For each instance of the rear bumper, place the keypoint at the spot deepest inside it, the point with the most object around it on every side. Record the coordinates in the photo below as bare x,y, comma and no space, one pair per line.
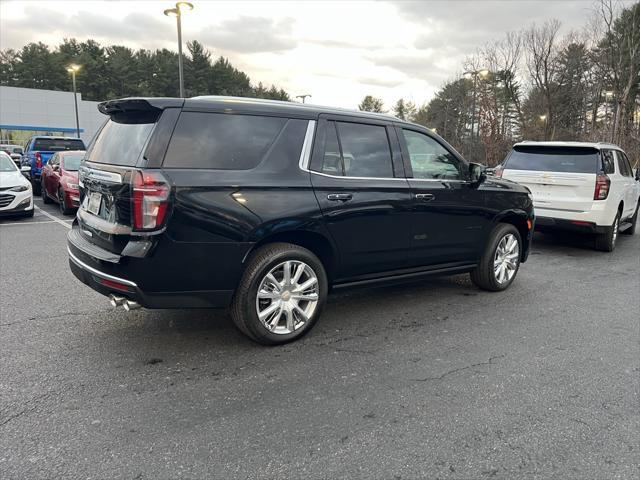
600,212
104,283
561,224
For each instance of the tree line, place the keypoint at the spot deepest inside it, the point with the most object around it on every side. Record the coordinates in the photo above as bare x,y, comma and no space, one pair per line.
117,71
534,84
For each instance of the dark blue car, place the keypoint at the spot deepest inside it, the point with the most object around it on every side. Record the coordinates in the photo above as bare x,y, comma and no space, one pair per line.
40,148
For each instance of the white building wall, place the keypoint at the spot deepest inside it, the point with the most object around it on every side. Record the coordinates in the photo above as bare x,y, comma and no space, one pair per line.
48,109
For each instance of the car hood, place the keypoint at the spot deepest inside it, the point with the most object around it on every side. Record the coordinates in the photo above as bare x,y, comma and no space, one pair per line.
12,179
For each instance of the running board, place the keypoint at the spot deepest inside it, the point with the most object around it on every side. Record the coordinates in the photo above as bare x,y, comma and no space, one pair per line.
625,226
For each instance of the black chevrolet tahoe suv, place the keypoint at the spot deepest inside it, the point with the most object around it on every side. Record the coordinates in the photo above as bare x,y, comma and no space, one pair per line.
266,206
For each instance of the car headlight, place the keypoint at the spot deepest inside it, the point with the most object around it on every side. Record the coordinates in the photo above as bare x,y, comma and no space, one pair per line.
19,188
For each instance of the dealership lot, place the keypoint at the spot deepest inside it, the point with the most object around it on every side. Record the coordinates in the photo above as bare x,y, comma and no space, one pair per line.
433,379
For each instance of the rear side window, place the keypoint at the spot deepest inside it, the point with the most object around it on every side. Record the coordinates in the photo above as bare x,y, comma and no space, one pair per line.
607,162
623,166
365,150
553,159
57,144
119,143
221,141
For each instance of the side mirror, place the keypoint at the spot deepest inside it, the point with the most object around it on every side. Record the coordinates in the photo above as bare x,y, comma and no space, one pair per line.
26,171
56,168
477,173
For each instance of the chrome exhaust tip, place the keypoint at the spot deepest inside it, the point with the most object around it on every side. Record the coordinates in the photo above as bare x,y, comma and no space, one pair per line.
115,300
130,305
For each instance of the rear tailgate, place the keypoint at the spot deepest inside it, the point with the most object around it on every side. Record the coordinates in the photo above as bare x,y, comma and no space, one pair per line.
114,160
560,178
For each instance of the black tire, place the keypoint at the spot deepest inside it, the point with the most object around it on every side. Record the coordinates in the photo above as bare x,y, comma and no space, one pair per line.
634,221
62,204
484,275
606,242
243,307
43,195
35,185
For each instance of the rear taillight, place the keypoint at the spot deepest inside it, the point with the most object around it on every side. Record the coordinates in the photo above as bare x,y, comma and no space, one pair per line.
38,160
497,172
602,187
149,200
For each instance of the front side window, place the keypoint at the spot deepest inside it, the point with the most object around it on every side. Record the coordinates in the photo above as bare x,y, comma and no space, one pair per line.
221,141
365,150
429,159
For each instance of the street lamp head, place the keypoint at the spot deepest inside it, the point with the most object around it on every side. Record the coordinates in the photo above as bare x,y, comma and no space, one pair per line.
73,68
543,117
172,12
608,93
184,6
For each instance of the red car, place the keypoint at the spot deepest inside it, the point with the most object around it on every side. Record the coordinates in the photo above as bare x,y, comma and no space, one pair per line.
60,180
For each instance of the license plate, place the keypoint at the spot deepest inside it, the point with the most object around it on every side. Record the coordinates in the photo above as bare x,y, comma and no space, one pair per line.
95,199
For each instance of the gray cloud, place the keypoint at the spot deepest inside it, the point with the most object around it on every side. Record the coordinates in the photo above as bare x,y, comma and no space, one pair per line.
413,66
379,82
250,35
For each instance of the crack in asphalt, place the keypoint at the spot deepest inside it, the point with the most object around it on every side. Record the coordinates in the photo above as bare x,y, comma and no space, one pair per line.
490,362
51,317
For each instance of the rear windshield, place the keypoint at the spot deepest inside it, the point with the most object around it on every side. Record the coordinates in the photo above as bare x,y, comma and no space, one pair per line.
221,141
58,144
71,161
550,159
120,143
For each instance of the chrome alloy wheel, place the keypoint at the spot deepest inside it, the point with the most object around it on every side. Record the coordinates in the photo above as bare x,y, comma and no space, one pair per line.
287,297
616,226
505,262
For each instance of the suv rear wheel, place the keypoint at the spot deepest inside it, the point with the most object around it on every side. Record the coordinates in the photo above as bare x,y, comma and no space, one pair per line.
606,242
281,294
500,261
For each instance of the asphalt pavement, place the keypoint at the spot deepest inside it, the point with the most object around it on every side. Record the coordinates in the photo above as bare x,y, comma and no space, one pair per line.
435,379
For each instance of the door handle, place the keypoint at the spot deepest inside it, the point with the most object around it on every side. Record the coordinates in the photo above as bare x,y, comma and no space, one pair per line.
339,197
425,197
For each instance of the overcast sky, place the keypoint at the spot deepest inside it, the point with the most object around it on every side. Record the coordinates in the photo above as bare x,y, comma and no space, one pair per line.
337,51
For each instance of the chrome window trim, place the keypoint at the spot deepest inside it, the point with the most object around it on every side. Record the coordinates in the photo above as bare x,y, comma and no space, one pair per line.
305,154
96,174
305,159
97,272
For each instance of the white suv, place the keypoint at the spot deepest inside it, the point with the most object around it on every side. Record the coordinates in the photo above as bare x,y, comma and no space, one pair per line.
586,187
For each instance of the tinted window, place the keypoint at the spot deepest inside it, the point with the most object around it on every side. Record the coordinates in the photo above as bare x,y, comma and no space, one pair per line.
17,150
221,141
119,143
551,159
57,144
71,161
6,164
365,150
607,162
332,160
623,165
628,163
429,159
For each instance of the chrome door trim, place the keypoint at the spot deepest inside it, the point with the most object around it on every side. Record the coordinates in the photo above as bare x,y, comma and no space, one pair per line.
305,154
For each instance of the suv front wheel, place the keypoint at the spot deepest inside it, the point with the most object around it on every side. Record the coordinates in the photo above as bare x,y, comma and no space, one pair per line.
500,261
281,294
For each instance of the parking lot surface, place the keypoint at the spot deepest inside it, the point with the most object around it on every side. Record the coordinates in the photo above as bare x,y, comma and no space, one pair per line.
434,379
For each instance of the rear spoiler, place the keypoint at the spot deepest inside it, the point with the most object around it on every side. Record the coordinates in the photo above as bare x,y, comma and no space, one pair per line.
134,110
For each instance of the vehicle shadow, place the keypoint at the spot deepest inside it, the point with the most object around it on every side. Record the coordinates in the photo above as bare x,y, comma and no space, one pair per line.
549,240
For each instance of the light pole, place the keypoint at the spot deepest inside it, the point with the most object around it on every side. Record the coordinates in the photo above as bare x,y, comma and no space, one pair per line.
73,69
177,12
608,95
474,73
543,118
303,97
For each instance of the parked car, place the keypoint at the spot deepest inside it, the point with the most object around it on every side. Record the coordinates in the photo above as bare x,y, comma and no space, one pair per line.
16,196
40,148
14,151
59,180
266,206
584,187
